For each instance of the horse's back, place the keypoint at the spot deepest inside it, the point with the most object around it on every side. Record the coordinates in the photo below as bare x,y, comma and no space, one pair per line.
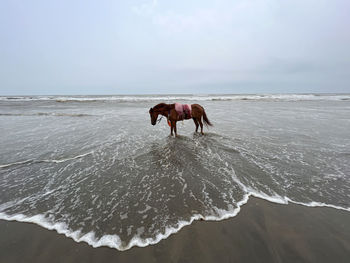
184,111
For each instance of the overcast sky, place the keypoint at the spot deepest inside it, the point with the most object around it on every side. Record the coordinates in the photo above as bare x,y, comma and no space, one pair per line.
155,46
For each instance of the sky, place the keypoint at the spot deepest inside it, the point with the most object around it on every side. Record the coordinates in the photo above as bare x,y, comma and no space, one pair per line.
158,47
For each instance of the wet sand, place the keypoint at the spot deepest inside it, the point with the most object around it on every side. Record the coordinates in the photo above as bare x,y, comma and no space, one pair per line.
261,232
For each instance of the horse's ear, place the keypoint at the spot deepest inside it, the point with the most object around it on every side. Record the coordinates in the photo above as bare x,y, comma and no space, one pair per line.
150,110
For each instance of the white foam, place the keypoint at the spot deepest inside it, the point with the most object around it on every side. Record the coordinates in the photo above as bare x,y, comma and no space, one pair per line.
66,159
145,210
46,160
114,241
46,114
316,204
123,216
15,163
273,199
221,97
285,200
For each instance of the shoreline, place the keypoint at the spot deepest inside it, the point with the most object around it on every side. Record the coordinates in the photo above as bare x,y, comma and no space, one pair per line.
261,232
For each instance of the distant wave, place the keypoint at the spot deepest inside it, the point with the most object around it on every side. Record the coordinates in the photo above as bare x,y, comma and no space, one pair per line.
215,97
46,114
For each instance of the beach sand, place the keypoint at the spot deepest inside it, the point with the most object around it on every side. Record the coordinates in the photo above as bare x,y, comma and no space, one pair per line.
261,232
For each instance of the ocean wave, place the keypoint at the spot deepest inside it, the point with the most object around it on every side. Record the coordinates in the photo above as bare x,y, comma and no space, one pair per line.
114,241
47,114
146,98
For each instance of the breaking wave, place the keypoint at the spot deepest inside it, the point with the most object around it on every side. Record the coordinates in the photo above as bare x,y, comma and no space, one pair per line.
46,114
214,97
114,241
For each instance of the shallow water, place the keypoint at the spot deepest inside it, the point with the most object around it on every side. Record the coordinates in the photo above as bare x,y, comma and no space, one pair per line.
95,169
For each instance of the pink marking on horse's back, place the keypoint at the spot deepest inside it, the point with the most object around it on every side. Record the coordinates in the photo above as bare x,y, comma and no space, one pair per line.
181,109
188,109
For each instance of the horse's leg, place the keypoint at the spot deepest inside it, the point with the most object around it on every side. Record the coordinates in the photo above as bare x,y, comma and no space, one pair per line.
196,123
201,124
175,129
171,128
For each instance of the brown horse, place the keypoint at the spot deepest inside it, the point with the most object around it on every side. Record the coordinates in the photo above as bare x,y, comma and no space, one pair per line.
168,111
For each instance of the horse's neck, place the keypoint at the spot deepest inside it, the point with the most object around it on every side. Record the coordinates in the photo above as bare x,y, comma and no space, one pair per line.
168,107
165,110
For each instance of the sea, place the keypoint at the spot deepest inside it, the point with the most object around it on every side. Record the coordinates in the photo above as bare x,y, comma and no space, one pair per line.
94,168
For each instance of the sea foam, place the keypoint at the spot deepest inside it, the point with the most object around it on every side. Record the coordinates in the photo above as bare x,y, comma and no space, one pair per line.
214,97
114,241
46,160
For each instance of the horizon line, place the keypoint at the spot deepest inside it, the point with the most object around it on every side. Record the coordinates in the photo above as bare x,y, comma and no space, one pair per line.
181,94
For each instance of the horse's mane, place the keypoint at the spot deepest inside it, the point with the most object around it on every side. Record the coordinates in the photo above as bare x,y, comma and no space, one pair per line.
163,106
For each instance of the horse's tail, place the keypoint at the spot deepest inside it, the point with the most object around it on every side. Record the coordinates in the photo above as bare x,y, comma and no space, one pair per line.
206,120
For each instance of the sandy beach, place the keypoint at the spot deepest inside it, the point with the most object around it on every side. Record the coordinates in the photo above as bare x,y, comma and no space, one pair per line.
261,232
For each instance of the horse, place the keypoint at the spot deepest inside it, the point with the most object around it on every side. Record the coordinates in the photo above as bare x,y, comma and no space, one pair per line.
196,113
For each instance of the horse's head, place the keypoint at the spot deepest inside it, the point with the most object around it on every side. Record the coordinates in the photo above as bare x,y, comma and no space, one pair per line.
154,116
